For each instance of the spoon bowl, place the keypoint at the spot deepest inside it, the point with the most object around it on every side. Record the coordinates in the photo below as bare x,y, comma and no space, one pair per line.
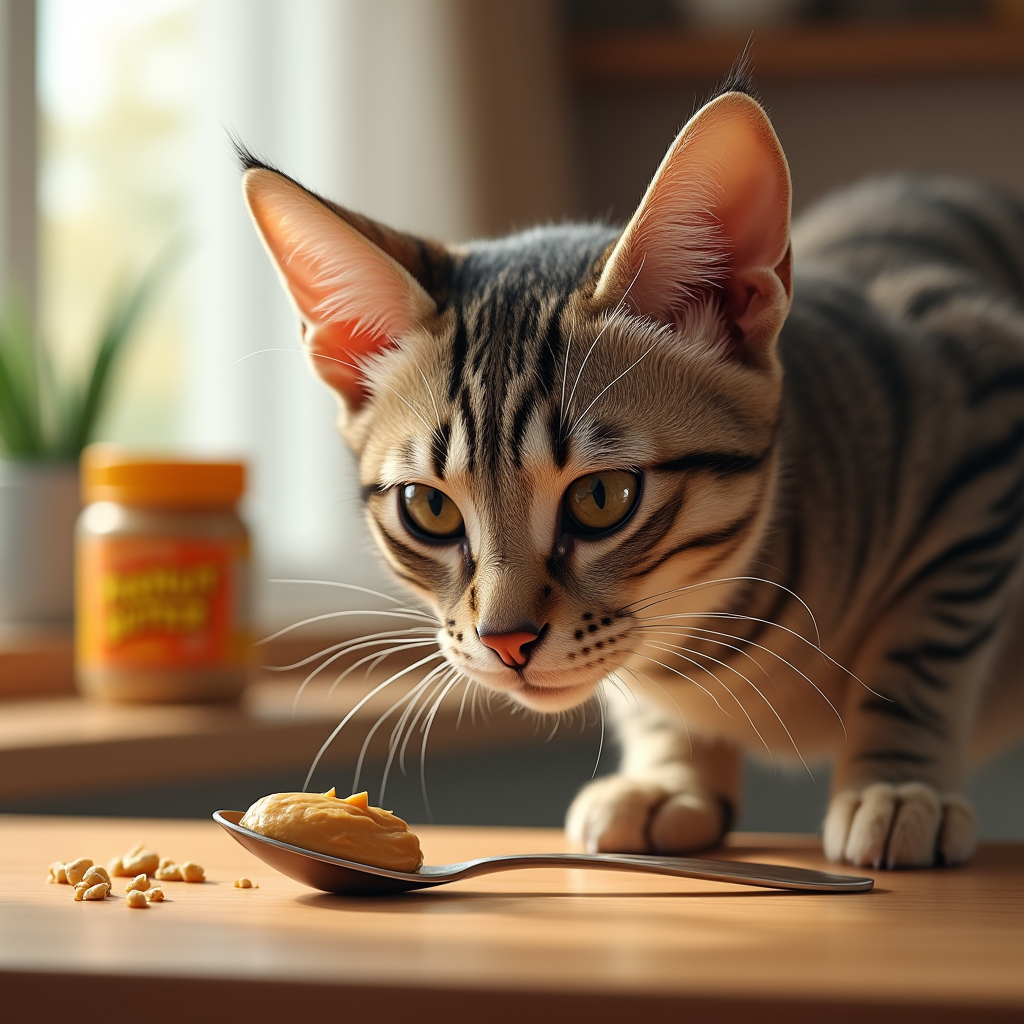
332,874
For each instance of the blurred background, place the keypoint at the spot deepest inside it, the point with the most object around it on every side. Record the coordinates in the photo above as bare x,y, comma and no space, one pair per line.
450,118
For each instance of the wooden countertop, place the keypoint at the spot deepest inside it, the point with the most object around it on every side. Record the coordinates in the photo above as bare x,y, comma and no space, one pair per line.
540,945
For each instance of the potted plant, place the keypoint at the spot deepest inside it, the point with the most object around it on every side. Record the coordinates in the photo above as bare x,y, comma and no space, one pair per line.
45,422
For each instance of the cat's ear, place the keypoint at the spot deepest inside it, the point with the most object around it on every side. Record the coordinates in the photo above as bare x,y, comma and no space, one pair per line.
714,221
353,298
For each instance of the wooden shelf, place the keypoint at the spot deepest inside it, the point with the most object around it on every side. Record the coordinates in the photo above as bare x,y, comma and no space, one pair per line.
49,747
36,662
808,53
39,661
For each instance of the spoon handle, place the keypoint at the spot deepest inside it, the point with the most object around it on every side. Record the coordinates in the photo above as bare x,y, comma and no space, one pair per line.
772,876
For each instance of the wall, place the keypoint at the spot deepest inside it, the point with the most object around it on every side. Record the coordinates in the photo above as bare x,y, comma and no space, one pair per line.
833,133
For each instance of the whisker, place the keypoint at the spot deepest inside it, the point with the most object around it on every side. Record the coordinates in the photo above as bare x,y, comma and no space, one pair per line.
600,746
402,645
384,637
579,419
565,374
619,305
387,654
341,725
551,735
362,370
414,709
462,704
397,731
736,616
371,658
608,322
712,675
338,655
411,727
686,728
423,746
376,725
667,595
390,614
691,632
683,675
621,686
433,401
700,654
345,586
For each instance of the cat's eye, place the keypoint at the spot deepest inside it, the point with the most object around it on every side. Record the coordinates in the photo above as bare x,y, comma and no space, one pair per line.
431,512
598,502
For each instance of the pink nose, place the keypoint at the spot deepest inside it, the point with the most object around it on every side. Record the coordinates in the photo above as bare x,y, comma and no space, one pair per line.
509,646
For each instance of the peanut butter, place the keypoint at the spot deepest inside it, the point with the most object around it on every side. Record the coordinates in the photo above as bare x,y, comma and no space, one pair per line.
347,828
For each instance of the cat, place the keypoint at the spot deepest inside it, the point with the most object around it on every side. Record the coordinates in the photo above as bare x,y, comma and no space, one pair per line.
767,484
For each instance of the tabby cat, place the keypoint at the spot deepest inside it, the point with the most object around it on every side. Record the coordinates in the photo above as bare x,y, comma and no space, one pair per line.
639,459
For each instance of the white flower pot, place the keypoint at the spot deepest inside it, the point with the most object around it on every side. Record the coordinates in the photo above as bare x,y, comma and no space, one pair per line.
39,503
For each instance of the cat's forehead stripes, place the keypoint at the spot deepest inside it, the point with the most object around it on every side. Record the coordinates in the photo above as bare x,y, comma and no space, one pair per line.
508,334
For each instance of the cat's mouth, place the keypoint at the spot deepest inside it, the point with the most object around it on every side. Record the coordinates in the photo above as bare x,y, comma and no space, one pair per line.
540,697
553,698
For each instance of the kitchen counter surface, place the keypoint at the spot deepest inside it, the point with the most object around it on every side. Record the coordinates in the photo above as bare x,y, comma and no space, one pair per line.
537,945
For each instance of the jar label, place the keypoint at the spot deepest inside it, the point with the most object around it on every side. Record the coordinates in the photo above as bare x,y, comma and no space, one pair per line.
162,603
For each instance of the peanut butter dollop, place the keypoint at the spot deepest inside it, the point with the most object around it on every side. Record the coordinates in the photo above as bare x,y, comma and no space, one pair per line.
348,828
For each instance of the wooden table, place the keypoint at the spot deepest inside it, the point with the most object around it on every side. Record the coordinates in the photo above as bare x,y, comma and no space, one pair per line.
532,946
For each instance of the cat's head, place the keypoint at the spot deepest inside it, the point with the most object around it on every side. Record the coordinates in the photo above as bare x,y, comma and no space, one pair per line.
553,427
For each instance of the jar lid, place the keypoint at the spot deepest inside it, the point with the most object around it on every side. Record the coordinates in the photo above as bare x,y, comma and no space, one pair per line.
110,473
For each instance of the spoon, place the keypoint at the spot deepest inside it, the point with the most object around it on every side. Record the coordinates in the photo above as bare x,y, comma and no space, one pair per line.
332,874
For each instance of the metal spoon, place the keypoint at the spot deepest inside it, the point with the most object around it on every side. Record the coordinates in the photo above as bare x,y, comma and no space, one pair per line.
331,874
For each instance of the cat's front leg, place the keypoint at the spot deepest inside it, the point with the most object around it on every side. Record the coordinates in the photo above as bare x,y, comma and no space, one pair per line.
671,795
896,787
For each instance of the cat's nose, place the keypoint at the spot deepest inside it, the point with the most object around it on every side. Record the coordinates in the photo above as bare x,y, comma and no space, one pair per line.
512,648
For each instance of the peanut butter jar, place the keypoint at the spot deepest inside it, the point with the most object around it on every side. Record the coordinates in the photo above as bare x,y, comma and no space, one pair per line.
162,579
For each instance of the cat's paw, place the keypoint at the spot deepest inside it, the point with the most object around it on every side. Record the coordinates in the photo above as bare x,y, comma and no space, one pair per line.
620,815
899,826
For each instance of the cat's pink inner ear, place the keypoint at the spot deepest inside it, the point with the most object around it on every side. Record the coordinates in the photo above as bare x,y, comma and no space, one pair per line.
715,220
352,298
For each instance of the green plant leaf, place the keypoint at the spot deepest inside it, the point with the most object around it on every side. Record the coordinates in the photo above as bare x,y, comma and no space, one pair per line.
43,417
21,399
84,411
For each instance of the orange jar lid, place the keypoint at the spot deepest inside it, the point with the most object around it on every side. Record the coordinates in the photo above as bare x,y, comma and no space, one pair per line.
110,473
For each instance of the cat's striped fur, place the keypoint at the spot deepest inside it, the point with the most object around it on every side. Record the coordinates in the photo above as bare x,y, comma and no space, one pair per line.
866,463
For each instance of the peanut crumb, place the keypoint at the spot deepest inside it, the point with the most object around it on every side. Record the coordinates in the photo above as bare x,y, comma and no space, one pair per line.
96,892
192,872
155,895
135,898
168,871
140,883
139,860
96,874
80,891
245,883
75,870
58,876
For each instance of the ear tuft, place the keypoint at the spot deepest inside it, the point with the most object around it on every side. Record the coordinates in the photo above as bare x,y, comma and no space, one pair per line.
247,159
739,78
